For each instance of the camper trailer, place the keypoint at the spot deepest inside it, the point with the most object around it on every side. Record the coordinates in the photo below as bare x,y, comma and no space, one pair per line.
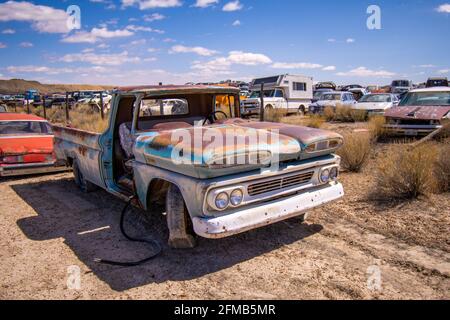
293,93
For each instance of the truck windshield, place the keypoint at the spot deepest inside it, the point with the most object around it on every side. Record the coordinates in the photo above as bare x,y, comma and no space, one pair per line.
24,128
400,83
330,97
376,98
267,94
426,99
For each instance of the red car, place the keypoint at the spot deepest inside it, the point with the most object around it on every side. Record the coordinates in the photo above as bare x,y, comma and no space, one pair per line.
26,145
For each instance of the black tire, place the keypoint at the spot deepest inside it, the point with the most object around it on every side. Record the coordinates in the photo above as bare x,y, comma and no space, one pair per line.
181,233
80,181
301,110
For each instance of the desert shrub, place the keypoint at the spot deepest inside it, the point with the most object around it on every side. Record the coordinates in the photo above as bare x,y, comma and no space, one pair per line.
343,114
408,172
328,113
274,115
376,127
358,115
355,151
315,121
442,169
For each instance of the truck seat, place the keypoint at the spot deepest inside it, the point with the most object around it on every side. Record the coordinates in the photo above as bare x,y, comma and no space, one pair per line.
127,140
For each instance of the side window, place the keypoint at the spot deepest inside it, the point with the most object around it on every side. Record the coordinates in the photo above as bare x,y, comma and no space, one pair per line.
163,107
299,86
225,104
278,94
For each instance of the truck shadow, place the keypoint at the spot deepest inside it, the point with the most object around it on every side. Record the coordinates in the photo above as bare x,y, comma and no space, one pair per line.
89,225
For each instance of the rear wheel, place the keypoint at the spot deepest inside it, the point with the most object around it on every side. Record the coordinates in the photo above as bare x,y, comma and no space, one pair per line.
80,181
301,110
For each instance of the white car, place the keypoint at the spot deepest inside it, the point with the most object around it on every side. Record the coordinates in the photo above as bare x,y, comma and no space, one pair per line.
332,100
377,103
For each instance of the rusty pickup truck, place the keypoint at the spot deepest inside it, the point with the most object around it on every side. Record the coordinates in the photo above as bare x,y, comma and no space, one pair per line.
218,175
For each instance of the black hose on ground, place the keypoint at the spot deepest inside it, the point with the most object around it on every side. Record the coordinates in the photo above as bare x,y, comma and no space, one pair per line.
153,243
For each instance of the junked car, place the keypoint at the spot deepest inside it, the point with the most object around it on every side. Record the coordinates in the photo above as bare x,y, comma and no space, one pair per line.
332,100
401,86
420,112
377,104
3,108
218,175
26,145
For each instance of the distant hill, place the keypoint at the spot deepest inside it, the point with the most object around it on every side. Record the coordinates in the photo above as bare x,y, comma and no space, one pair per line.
19,86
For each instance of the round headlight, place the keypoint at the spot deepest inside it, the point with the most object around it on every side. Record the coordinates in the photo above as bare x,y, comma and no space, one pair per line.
325,175
222,201
333,173
236,197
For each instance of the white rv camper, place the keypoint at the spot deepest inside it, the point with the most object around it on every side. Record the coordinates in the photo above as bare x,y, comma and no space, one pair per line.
293,93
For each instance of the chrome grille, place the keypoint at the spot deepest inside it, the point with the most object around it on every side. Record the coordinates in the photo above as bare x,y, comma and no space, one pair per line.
279,183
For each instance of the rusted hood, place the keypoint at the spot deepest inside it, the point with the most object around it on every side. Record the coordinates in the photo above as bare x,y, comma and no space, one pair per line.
418,112
204,146
21,145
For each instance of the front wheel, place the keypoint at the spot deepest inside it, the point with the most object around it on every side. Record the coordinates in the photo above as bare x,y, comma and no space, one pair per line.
181,235
301,110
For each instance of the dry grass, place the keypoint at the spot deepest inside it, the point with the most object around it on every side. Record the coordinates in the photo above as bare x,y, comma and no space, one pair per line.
376,127
328,113
442,169
274,115
409,172
82,117
355,151
313,121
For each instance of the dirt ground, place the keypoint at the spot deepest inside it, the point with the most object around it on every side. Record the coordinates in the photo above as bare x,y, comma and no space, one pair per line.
355,248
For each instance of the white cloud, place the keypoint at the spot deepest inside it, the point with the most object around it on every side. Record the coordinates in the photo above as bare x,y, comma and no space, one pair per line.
350,40
96,34
444,8
197,50
8,31
100,59
444,71
233,6
169,40
145,29
154,17
296,65
329,68
222,65
152,4
427,66
237,23
152,50
42,18
26,44
205,3
331,40
364,72
247,58
2,45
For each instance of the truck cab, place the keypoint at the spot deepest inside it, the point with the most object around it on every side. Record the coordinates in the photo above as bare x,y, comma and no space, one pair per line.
291,93
218,175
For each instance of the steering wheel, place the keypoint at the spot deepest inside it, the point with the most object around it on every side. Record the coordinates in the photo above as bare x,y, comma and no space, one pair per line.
213,116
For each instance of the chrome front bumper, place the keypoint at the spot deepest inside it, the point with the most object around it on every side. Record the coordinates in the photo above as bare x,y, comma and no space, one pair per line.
29,168
267,213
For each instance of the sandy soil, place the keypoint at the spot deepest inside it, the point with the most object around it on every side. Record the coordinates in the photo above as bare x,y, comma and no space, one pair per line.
48,226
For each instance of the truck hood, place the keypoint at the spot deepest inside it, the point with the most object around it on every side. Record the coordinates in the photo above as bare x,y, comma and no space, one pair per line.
418,112
22,145
373,105
208,157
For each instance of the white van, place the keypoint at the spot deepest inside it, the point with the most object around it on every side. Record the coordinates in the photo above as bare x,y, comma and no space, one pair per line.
293,93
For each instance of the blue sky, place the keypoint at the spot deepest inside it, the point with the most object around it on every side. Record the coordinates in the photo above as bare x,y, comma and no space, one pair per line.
126,42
